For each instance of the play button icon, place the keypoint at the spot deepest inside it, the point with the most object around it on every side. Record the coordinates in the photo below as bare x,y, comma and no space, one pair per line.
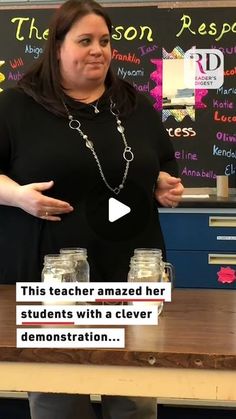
116,210
117,218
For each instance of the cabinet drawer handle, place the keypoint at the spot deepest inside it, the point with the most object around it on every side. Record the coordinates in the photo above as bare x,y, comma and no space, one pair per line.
215,221
221,259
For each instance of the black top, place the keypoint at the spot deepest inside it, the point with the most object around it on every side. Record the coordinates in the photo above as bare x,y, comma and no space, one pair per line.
37,146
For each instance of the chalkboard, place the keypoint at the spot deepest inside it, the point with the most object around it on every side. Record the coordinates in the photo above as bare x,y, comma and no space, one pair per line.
148,46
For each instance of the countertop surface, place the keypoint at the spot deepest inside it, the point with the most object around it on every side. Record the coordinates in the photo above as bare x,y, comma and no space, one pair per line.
207,198
196,330
212,201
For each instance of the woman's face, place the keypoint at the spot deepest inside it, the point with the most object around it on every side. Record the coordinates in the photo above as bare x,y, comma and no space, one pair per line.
85,54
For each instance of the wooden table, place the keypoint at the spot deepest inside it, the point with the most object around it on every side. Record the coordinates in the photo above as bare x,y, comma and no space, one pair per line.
191,354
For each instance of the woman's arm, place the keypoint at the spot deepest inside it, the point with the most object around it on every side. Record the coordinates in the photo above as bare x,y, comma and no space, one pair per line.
8,191
30,198
169,190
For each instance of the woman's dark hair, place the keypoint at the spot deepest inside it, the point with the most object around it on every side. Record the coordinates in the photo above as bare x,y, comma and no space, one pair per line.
43,81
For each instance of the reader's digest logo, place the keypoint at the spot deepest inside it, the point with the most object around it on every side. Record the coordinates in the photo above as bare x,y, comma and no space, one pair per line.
204,68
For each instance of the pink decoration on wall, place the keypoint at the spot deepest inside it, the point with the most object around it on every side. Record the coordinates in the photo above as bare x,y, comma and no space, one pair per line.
226,275
157,91
199,95
156,76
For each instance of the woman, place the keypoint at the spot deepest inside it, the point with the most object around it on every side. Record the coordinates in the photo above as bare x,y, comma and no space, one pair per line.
72,137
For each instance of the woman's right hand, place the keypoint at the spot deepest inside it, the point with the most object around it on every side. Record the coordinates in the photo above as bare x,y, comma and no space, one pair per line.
31,199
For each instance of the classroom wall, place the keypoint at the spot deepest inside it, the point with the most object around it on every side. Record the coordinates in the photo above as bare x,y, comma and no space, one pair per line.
201,123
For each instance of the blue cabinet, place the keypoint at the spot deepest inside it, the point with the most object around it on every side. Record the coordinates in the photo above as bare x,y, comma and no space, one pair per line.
201,244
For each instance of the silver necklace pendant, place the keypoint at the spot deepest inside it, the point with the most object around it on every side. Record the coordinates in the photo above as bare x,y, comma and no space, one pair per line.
95,107
127,155
89,144
120,129
118,189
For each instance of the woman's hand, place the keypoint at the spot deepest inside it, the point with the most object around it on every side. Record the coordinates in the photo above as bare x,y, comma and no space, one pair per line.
31,199
169,190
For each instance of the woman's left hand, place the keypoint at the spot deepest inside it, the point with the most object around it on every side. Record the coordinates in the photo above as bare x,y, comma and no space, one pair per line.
169,190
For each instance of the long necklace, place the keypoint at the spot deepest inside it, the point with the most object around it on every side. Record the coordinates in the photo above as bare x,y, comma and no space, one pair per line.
128,155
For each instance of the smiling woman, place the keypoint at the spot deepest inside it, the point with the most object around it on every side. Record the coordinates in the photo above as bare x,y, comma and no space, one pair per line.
84,58
72,138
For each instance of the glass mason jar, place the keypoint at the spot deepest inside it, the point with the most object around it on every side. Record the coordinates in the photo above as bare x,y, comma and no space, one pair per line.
146,269
168,272
146,255
145,251
147,266
79,256
58,269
